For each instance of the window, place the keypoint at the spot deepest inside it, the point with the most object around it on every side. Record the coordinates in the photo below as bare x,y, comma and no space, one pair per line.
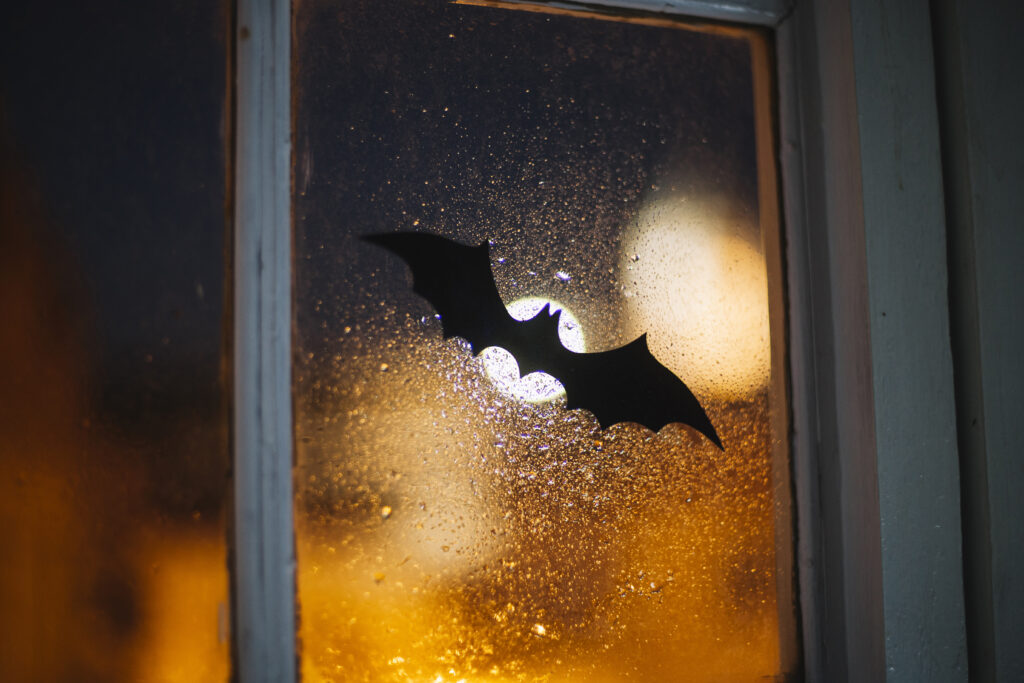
453,523
131,369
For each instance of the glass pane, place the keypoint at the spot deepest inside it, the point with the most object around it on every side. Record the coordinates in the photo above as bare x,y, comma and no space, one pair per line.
455,522
113,431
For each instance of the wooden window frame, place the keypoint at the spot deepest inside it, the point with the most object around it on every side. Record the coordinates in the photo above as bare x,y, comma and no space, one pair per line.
874,465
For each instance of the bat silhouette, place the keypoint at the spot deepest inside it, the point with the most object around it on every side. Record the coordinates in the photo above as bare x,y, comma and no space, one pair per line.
626,384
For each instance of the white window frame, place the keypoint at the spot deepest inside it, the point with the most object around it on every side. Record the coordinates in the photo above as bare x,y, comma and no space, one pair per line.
264,539
875,466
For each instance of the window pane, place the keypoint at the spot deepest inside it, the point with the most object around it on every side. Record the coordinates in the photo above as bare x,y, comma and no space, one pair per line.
453,521
113,429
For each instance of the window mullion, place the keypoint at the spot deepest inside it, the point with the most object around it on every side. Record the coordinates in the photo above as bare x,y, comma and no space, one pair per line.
264,606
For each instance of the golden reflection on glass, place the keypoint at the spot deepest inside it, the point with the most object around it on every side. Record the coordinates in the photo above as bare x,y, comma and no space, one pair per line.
451,524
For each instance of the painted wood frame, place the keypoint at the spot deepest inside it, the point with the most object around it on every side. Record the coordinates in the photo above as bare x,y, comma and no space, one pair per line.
875,462
978,59
264,544
875,455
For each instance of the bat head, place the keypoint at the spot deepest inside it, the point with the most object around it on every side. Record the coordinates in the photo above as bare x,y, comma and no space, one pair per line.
552,312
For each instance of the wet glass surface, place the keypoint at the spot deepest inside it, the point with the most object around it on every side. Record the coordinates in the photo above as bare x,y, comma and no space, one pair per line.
114,464
455,522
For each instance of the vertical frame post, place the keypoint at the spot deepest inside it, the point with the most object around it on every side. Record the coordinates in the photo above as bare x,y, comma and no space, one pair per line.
911,358
879,553
264,538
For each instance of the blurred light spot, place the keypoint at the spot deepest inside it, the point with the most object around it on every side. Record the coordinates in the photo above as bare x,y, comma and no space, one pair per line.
699,287
537,387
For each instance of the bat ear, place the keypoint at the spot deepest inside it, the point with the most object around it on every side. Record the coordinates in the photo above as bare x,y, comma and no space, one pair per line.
551,312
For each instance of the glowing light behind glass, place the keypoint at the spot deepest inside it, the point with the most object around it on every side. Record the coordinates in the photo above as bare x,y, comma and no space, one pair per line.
699,287
537,387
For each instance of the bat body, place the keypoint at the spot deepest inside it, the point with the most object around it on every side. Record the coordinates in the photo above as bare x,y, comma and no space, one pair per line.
626,384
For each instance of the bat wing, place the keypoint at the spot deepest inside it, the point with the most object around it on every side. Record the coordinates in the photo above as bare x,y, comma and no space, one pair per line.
457,281
626,384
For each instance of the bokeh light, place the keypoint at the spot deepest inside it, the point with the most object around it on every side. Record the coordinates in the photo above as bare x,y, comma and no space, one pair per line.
698,286
536,387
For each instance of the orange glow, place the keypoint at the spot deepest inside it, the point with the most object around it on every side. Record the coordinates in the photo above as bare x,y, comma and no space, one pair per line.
185,637
505,558
701,290
95,583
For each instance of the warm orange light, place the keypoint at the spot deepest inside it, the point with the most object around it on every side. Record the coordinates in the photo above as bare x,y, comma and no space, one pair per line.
699,287
487,541
185,635
96,583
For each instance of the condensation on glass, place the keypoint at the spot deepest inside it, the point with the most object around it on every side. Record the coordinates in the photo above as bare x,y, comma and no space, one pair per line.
114,466
455,522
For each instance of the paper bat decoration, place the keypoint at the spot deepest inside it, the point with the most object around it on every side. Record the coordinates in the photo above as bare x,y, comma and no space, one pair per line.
626,384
